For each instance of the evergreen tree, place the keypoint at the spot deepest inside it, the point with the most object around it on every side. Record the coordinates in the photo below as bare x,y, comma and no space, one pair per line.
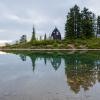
80,24
33,35
98,25
72,26
87,30
94,24
45,37
23,39
40,38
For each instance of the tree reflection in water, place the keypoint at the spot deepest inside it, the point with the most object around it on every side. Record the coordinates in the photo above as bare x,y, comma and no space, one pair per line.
82,69
56,62
23,57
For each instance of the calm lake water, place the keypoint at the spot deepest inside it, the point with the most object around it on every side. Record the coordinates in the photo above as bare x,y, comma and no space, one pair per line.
50,76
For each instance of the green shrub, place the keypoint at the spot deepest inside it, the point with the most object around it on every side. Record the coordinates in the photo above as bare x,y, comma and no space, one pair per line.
55,45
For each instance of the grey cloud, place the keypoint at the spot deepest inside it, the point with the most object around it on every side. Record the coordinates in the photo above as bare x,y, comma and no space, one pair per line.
18,16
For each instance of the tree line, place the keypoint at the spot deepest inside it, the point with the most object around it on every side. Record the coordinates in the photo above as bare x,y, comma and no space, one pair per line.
81,24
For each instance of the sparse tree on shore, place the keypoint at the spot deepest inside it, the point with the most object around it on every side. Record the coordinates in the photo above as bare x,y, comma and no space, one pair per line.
23,39
33,35
45,37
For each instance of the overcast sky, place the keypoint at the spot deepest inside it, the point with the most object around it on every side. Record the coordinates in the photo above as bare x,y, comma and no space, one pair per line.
18,16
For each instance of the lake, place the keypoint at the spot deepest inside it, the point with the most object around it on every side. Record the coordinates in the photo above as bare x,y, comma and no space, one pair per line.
70,75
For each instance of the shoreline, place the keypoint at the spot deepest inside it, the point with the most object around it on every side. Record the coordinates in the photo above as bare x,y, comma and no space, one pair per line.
50,49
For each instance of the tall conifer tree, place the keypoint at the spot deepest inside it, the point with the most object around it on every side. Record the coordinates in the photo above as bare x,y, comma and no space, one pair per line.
87,29
45,37
72,26
98,25
33,35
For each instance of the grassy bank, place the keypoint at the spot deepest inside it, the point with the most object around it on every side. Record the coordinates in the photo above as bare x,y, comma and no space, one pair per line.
93,43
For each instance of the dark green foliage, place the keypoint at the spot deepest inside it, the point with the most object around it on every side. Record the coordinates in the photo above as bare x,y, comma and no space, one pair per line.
45,37
33,35
94,25
72,26
23,39
98,25
87,23
79,24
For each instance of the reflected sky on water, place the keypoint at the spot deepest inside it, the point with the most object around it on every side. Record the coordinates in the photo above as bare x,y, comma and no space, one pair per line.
50,75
